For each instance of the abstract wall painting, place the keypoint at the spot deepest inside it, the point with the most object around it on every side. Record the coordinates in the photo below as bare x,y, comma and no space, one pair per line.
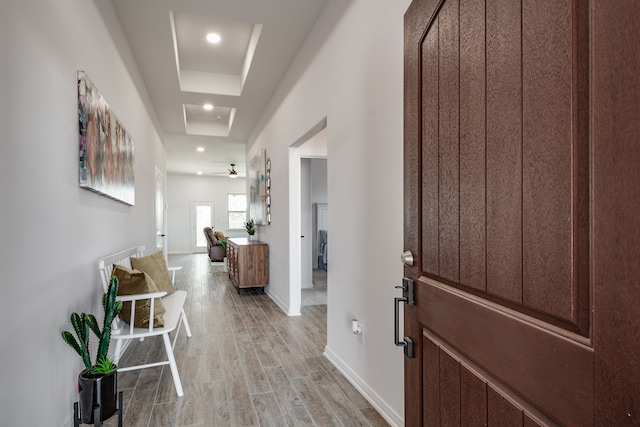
106,148
258,188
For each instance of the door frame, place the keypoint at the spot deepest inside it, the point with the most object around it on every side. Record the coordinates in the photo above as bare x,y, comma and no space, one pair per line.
160,213
295,200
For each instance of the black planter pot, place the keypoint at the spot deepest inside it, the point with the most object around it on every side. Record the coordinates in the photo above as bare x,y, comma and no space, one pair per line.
97,390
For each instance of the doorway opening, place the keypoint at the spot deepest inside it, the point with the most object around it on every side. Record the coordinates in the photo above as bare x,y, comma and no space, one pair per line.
202,215
314,215
308,159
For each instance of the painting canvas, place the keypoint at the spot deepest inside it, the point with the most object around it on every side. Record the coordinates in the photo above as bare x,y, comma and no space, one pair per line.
106,148
258,188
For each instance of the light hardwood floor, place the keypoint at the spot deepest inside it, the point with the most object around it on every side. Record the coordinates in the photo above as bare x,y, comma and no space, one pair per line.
247,364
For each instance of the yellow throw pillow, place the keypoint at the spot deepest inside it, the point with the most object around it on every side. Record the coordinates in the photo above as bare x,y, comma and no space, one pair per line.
134,282
156,267
219,235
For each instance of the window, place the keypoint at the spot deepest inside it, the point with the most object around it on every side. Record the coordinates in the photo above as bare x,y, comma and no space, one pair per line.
237,210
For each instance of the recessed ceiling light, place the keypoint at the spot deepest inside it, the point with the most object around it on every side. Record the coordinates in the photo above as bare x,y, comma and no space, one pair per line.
218,117
200,149
213,38
208,107
199,172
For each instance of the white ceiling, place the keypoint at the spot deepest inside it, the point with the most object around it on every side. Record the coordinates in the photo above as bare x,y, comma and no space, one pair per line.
238,76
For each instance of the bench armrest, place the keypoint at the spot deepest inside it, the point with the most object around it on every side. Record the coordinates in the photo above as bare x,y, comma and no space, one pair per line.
138,297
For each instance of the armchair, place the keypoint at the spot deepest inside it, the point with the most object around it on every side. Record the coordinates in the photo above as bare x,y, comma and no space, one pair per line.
215,249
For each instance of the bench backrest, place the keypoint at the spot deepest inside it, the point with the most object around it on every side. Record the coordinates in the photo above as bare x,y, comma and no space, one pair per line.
105,265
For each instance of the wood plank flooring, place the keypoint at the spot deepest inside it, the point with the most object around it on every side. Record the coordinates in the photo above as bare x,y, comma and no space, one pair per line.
247,364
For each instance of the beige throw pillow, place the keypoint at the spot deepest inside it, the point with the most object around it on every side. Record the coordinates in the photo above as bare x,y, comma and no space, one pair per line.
156,267
133,282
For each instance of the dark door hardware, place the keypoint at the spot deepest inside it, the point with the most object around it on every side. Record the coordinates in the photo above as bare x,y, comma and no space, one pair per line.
407,297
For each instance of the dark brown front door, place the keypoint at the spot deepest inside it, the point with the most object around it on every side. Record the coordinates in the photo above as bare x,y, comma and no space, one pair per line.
521,209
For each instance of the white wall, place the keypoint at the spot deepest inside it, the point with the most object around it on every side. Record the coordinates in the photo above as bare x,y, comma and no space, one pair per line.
349,72
53,231
182,191
319,181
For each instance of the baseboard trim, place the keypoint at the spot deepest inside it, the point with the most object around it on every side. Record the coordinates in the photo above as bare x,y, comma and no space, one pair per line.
285,309
372,397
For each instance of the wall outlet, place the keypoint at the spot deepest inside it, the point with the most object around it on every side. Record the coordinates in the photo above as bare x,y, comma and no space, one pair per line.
360,336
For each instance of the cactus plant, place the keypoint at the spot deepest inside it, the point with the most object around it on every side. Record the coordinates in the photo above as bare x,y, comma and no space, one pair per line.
84,322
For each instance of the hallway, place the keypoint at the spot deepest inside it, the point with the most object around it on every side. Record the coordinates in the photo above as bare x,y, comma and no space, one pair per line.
317,295
247,364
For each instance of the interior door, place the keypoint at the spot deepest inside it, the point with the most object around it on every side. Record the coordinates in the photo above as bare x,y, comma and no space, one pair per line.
159,210
513,208
306,252
322,223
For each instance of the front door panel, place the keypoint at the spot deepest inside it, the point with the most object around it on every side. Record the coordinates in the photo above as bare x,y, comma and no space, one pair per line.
497,199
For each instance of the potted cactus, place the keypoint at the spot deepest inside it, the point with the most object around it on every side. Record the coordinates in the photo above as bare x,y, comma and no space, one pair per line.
97,383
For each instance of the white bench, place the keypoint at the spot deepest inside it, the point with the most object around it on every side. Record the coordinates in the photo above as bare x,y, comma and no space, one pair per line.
122,332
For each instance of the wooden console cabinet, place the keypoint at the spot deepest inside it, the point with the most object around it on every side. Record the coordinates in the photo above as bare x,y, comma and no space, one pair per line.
248,263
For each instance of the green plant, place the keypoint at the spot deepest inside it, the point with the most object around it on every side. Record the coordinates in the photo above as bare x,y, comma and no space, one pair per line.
84,322
250,226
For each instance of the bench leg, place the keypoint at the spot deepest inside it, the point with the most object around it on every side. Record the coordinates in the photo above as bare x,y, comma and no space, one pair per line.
172,364
118,352
186,323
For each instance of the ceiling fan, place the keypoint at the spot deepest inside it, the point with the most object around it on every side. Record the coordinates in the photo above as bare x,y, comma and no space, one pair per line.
219,169
232,172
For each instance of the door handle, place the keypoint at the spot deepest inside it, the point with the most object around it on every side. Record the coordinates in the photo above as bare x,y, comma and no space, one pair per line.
408,298
407,258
